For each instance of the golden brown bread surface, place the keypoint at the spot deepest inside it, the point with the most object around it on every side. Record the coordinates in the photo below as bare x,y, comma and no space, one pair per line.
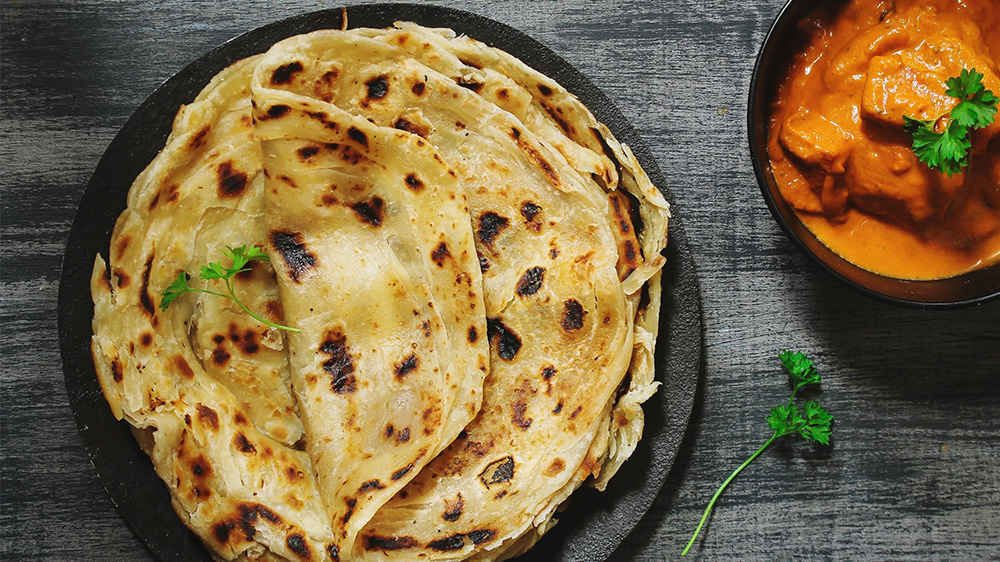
472,259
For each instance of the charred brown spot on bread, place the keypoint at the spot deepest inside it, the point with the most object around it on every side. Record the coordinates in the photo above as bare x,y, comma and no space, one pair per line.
555,115
545,90
507,342
503,94
558,408
573,315
334,552
418,88
414,182
324,119
182,366
404,435
490,226
576,412
547,373
498,472
478,448
530,212
473,334
145,300
340,365
297,544
453,510
330,76
469,84
402,472
293,251
530,282
404,124
454,542
440,253
351,503
407,366
389,430
221,531
116,370
247,340
208,417
173,191
623,223
370,211
480,536
520,406
240,419
220,356
200,468
484,264
232,182
243,444
357,135
105,280
197,140
376,542
374,484
155,201
557,466
274,112
146,339
630,253
543,164
284,73
121,245
378,87
293,474
307,152
432,419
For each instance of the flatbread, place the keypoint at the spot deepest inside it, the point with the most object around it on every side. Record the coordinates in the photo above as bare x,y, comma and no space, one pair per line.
557,245
206,386
370,235
472,259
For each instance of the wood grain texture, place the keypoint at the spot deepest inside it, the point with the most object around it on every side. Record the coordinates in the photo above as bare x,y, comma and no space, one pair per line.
914,473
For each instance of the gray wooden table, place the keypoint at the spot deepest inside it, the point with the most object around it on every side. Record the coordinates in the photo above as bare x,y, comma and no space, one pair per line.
914,473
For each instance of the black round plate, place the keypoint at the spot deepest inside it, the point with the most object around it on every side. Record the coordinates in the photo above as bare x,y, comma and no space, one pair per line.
593,525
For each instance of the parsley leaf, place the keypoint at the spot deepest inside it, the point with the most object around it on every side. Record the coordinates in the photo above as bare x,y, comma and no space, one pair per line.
812,422
176,289
947,151
215,271
800,368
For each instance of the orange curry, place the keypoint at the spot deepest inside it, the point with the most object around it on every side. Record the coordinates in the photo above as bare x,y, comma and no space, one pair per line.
839,152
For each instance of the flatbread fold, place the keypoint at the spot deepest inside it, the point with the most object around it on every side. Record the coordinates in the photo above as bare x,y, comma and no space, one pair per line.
473,261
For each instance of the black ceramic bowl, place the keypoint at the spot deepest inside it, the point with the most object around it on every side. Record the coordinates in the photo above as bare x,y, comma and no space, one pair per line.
970,288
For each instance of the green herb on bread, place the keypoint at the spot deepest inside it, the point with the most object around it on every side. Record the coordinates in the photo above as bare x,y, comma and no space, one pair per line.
241,258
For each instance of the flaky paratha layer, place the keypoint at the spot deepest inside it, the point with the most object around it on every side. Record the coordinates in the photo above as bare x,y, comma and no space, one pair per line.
472,259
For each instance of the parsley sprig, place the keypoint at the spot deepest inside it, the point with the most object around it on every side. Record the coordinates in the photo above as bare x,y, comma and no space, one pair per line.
947,151
810,421
240,257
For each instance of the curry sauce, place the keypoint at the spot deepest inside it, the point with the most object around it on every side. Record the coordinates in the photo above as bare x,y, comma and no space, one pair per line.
840,155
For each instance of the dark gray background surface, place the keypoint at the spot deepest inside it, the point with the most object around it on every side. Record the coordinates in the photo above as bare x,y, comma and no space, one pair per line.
914,473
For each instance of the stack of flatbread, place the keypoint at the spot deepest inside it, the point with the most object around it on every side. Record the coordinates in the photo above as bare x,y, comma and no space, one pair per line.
472,261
